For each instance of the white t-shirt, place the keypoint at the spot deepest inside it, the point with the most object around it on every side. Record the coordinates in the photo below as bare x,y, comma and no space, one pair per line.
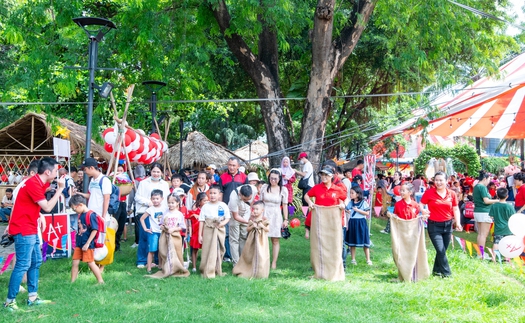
211,211
309,170
5,200
96,198
174,219
237,205
156,215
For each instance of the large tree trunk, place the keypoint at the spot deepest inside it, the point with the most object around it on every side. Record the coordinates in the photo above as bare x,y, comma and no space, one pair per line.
328,56
263,71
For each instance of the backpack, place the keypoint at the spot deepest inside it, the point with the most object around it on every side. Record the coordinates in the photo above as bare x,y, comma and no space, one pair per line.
100,237
469,210
113,198
65,191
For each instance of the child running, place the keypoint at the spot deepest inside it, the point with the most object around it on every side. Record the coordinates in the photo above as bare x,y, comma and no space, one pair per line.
255,258
171,261
193,216
155,213
501,212
213,217
406,208
85,246
408,238
357,234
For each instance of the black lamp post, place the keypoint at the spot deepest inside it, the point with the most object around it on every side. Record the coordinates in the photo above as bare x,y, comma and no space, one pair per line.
154,87
101,28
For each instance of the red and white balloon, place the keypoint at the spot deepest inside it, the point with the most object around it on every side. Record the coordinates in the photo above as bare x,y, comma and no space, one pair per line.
513,246
139,147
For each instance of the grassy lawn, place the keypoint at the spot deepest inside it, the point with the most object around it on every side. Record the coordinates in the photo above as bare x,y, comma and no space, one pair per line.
477,292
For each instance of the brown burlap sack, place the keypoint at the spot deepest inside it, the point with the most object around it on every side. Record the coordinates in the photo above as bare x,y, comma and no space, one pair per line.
326,243
171,261
255,257
408,248
212,249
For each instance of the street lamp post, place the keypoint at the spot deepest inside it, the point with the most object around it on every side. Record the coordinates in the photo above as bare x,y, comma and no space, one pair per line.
95,36
154,87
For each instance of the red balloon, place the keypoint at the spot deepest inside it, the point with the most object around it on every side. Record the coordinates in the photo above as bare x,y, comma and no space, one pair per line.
140,150
106,132
132,154
132,134
1,169
397,190
295,223
155,135
5,178
122,155
108,147
127,140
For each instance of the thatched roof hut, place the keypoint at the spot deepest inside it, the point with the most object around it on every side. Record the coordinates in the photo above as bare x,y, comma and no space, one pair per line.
32,135
254,153
198,152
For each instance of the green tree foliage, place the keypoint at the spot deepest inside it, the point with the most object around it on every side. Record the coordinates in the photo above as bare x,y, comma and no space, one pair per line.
407,46
465,158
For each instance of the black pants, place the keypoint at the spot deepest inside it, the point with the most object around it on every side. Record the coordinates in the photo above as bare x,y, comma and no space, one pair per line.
440,234
304,193
121,216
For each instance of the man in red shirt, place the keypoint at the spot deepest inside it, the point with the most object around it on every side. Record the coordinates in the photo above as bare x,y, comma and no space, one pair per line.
358,170
229,181
23,227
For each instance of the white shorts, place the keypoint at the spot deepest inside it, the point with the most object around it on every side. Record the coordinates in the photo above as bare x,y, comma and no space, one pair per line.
482,217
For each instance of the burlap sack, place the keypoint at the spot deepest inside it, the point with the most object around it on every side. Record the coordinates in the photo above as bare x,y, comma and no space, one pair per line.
212,249
171,261
255,258
409,249
326,243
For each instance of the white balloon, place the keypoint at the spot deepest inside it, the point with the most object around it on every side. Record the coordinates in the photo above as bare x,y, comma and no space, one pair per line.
136,143
141,132
100,253
110,138
164,146
511,246
128,149
517,224
146,144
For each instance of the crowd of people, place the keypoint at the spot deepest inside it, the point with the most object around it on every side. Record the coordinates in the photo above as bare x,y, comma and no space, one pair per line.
231,216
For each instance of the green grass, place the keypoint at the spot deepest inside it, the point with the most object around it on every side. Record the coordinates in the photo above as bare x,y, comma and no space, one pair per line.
477,292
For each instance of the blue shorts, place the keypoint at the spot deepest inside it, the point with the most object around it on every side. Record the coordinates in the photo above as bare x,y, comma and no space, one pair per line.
153,241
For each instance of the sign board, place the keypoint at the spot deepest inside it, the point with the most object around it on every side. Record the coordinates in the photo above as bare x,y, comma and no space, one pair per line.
57,234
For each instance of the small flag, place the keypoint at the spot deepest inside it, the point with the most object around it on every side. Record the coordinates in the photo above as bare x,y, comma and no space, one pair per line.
469,247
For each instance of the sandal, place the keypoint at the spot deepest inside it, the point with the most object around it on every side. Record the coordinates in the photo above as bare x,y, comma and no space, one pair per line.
353,262
369,262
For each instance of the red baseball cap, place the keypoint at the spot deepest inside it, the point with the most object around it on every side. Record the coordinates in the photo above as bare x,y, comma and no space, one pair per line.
303,155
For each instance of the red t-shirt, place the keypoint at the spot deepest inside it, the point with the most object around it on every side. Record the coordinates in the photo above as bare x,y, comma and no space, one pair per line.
406,211
519,199
327,197
441,209
356,171
26,210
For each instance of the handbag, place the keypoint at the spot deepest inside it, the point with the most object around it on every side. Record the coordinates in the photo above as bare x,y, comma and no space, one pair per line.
7,240
303,183
285,233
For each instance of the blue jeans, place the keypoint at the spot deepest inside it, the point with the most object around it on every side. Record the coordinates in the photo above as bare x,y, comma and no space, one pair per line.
4,213
345,248
440,234
142,250
227,253
28,260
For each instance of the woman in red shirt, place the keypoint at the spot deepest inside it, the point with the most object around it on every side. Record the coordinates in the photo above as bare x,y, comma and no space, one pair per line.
442,209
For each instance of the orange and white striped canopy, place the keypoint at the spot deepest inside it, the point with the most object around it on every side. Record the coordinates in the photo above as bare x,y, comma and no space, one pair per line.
490,108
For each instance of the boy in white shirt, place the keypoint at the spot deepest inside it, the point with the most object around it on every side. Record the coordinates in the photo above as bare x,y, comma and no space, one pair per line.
155,214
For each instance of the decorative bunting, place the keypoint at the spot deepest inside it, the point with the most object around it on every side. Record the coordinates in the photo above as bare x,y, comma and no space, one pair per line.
518,261
7,262
478,250
469,247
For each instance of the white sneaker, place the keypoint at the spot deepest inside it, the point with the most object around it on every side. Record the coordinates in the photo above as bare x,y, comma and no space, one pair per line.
141,266
134,245
384,232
